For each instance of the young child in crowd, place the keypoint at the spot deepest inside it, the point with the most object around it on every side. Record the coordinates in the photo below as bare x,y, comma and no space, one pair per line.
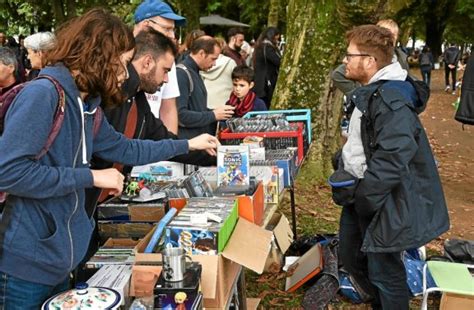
242,97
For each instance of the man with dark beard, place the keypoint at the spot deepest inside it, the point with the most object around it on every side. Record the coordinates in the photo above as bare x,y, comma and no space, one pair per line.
153,59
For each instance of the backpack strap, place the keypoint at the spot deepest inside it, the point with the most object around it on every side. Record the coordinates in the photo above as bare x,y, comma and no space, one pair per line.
99,115
58,115
191,83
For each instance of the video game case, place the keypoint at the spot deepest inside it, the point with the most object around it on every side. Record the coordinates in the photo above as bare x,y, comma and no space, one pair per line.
233,166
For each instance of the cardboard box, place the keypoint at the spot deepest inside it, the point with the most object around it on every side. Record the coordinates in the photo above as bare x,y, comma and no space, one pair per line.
451,301
219,272
251,207
144,279
120,243
283,237
136,231
118,210
305,268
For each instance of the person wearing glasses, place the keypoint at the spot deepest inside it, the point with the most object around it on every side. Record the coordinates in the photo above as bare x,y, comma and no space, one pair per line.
386,178
159,16
346,85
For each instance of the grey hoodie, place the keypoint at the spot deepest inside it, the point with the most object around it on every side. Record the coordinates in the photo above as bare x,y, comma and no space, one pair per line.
353,150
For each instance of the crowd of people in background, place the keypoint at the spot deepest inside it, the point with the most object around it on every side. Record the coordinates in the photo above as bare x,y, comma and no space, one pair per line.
452,60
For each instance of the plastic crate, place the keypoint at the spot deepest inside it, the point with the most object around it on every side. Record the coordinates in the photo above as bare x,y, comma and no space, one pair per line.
297,115
273,140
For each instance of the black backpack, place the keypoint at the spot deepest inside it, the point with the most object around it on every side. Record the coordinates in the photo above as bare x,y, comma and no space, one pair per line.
425,60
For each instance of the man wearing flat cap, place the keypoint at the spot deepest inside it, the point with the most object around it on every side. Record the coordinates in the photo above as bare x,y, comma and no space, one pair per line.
159,16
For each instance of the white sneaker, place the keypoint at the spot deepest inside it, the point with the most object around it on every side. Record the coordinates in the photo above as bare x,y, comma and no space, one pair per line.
454,92
447,89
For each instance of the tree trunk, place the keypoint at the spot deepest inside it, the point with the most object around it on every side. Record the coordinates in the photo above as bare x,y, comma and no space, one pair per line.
273,13
58,11
315,41
436,19
71,8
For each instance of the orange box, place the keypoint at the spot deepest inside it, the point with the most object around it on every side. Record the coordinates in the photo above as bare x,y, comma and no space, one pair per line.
178,203
251,207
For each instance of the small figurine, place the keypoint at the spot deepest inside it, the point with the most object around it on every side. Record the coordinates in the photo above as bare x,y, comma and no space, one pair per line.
132,188
179,299
147,177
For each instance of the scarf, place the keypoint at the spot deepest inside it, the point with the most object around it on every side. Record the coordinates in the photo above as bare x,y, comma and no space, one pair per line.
244,106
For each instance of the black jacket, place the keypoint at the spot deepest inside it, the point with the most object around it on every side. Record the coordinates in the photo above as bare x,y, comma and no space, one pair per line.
193,115
267,66
400,197
465,112
451,56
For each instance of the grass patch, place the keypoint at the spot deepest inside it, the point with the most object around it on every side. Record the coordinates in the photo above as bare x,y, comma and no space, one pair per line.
315,214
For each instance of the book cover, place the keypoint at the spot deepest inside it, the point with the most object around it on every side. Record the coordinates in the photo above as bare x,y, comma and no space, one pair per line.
306,267
233,166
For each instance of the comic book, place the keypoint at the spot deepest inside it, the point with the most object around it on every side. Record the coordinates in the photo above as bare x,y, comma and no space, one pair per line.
233,166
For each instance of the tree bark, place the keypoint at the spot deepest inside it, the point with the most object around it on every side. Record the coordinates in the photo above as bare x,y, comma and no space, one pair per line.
273,13
58,11
436,19
71,8
315,42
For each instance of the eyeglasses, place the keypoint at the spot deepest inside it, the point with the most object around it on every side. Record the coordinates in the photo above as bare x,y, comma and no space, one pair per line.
349,55
166,29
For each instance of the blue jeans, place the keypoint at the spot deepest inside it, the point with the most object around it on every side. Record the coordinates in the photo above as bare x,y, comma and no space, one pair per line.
17,294
381,275
426,74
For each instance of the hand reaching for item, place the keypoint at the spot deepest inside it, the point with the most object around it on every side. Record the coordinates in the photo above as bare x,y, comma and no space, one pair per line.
110,179
204,142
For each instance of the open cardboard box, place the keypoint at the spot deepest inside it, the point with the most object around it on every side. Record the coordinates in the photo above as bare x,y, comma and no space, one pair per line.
251,208
451,301
280,226
121,243
219,272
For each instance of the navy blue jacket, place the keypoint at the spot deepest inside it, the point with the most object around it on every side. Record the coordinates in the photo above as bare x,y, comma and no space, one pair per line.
193,115
44,229
400,196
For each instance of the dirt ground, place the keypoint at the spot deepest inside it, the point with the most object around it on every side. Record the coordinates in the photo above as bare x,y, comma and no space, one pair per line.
454,151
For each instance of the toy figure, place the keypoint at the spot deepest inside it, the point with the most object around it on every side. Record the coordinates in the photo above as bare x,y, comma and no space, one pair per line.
147,177
179,299
132,189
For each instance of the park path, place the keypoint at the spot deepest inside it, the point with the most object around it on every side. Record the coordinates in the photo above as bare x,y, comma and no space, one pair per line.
454,150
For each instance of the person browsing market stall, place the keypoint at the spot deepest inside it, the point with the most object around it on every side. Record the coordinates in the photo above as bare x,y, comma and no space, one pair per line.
44,229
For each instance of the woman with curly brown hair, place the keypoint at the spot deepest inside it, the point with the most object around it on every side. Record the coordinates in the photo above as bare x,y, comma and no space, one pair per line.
44,229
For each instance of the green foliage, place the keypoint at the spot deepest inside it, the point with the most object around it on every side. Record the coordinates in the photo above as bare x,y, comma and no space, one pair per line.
213,6
456,30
